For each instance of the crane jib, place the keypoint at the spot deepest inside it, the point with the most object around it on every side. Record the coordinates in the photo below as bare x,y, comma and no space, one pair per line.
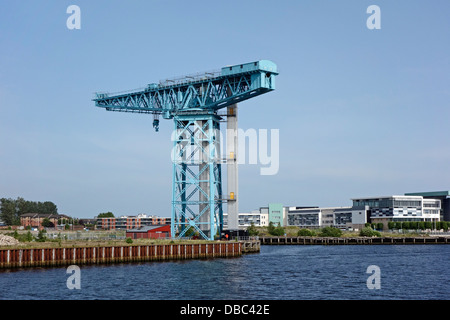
202,93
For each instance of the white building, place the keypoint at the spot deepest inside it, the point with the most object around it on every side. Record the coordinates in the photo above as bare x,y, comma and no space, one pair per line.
245,220
341,217
400,208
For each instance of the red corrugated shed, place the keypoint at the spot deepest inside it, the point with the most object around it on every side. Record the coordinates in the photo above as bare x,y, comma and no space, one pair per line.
149,232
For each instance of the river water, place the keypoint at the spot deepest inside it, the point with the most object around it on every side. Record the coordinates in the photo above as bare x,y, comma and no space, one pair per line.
289,272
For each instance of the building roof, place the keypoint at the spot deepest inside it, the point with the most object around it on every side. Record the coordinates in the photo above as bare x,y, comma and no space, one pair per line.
389,197
147,228
430,194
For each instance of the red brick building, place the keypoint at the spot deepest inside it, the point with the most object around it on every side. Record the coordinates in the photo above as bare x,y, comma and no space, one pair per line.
130,222
35,220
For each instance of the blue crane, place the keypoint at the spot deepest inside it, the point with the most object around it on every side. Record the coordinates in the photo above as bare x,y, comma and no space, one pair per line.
193,103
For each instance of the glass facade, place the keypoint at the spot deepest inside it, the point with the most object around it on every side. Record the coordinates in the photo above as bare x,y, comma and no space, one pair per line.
402,207
304,219
342,218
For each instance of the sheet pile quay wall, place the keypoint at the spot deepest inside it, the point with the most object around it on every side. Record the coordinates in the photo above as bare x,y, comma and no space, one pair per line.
42,257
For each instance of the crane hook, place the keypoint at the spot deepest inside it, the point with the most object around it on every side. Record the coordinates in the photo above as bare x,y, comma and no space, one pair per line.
156,122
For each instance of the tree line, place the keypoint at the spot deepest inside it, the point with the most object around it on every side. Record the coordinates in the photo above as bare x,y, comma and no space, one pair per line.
419,225
12,209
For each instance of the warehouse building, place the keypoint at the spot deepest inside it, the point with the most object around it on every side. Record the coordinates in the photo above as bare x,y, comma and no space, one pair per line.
149,232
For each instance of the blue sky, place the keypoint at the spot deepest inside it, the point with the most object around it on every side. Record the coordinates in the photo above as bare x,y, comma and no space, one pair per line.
360,112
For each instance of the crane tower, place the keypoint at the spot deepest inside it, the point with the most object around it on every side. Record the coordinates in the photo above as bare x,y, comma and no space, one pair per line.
193,102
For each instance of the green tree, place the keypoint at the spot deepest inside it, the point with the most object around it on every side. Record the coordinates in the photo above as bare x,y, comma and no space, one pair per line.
8,212
252,230
41,236
25,206
22,206
47,223
270,228
275,231
421,225
330,232
48,207
279,231
305,233
29,236
11,210
106,215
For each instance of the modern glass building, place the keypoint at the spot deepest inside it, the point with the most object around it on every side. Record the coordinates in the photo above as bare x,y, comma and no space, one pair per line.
443,196
315,217
400,208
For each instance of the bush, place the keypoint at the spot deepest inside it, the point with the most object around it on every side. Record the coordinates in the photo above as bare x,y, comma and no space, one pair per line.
41,236
278,231
369,232
252,231
129,240
331,232
28,237
275,231
23,237
305,233
415,225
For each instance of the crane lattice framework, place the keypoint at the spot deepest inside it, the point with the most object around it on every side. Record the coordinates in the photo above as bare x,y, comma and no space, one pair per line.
193,103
